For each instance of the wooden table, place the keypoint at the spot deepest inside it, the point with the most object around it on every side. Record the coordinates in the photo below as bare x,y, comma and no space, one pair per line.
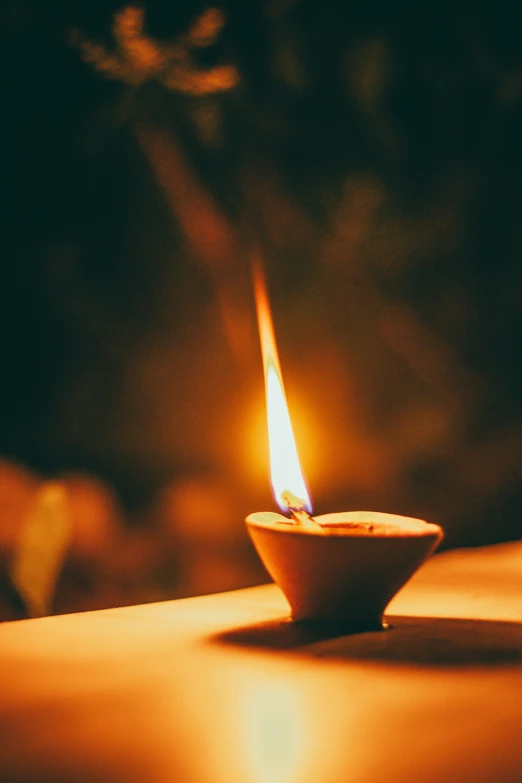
222,689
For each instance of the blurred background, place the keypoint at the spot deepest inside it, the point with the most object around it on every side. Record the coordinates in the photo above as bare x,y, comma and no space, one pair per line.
372,158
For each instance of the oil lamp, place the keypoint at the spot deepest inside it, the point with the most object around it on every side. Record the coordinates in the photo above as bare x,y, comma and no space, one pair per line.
341,568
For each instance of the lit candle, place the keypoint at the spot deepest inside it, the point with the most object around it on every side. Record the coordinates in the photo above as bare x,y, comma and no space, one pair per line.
341,568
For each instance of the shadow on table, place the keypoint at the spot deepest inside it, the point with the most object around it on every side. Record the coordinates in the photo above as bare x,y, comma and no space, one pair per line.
435,641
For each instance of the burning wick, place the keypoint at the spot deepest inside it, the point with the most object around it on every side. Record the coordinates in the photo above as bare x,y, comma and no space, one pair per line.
298,512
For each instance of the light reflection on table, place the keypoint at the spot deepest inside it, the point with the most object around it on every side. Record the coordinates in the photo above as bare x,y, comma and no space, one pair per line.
221,688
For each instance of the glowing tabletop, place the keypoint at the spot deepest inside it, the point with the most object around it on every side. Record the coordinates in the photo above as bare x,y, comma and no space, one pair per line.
222,689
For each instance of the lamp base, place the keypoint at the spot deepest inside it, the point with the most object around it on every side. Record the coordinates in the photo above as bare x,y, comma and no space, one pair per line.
345,569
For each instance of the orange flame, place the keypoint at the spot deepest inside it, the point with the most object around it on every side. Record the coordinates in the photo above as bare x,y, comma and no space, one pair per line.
285,469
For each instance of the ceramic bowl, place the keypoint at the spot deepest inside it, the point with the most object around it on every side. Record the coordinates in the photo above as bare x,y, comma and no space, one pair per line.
343,568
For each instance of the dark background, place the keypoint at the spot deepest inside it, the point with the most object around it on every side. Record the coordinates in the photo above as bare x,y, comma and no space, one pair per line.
373,158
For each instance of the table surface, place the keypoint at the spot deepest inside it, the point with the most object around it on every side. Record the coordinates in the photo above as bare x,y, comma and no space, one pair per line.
223,688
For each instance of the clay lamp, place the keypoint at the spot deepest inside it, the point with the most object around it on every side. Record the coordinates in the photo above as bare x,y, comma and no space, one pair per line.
341,569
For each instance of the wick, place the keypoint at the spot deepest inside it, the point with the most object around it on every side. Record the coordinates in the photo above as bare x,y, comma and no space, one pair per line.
297,510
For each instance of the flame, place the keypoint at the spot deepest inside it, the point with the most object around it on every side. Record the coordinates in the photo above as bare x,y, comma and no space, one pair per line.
285,468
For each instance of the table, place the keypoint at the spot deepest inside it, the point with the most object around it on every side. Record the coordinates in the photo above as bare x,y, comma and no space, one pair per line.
222,688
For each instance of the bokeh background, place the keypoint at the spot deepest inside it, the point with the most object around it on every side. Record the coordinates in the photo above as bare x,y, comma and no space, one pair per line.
372,158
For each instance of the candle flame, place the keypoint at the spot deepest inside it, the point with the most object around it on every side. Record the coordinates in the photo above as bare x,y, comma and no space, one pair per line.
288,483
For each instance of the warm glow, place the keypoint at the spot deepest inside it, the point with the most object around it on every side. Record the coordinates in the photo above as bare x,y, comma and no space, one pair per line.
275,736
285,469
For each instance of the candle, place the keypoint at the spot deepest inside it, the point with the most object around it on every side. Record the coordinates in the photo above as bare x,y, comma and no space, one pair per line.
341,568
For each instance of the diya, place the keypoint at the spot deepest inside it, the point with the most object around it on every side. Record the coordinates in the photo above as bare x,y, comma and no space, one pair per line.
341,568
